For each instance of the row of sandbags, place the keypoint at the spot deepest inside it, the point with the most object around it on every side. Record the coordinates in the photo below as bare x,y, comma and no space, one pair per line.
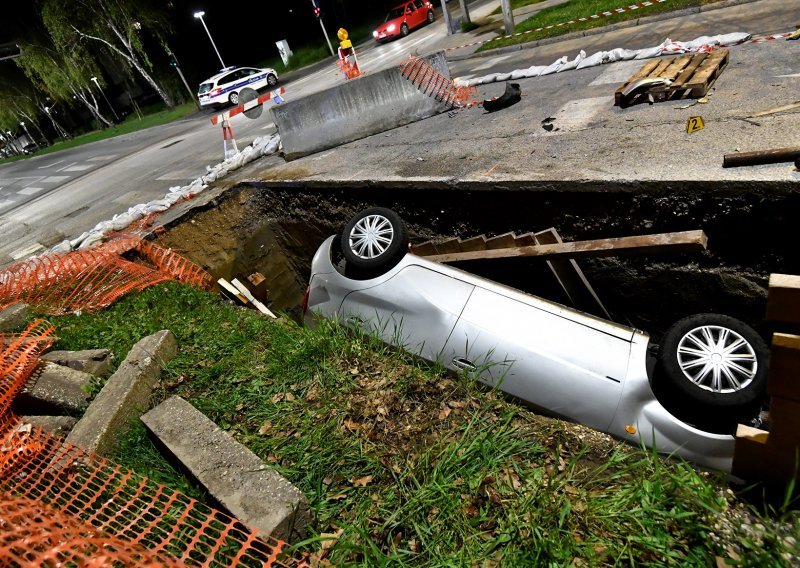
702,43
261,146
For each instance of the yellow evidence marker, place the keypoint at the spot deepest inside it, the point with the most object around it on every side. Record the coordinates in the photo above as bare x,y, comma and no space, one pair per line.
694,124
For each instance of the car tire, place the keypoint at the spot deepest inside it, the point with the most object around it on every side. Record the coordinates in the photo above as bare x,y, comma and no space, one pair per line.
374,241
272,80
404,30
233,98
715,364
431,17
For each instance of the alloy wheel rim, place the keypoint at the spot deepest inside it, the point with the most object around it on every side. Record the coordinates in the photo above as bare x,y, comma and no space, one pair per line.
717,359
371,236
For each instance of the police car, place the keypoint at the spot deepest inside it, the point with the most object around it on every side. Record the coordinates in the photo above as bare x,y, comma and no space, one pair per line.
224,87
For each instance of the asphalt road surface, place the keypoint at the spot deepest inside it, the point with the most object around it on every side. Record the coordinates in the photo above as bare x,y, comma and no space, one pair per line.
46,199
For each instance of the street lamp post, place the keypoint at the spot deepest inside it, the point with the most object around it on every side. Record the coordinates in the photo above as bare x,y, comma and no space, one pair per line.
199,16
97,84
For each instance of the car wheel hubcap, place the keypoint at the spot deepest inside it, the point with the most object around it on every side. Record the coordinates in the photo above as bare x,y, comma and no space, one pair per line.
717,359
371,236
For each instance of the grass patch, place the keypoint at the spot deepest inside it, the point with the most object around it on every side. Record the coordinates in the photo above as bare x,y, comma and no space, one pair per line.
582,9
153,116
517,4
405,465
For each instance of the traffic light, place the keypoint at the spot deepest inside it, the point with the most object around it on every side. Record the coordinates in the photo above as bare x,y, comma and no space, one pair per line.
317,10
172,61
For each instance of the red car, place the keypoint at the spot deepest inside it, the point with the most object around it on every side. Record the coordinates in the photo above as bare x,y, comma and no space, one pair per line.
404,18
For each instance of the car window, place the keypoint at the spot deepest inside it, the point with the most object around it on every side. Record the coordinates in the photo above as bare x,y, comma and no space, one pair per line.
226,78
204,88
250,71
410,8
418,3
396,13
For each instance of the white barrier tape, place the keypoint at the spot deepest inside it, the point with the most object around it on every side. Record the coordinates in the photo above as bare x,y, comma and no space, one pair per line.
614,12
272,95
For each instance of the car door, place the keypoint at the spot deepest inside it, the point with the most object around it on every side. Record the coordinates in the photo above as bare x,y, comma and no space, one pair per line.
416,309
412,15
543,353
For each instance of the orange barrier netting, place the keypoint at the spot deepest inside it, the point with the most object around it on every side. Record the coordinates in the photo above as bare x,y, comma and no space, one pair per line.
60,504
94,278
432,83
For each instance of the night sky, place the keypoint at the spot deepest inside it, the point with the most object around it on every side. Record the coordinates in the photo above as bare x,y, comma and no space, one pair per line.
245,31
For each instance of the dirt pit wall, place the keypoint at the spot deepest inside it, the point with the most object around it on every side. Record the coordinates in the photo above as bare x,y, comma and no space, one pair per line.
275,229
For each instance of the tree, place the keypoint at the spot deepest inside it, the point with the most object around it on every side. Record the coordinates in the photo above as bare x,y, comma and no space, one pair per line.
114,25
465,11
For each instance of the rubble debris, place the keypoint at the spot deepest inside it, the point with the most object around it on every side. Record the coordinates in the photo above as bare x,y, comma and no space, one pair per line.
53,388
548,125
57,425
512,96
758,157
13,318
233,475
776,110
96,362
126,394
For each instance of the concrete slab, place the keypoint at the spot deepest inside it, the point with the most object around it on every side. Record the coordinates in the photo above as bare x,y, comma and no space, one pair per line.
13,318
57,425
54,388
93,361
233,475
126,395
355,109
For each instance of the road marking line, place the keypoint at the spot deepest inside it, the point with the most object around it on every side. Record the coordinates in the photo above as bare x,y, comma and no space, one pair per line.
49,165
54,179
617,73
65,167
6,203
80,168
102,158
29,190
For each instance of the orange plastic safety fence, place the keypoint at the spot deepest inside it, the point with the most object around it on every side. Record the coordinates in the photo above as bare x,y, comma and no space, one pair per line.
434,84
94,278
91,510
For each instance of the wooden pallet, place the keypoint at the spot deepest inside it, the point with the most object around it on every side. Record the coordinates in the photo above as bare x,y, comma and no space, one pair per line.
692,76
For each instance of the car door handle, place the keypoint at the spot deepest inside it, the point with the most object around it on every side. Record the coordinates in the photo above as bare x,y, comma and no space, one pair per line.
464,364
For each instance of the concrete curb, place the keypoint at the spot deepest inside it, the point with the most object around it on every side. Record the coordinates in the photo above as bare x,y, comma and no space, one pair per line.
600,30
93,361
234,476
13,317
126,394
54,388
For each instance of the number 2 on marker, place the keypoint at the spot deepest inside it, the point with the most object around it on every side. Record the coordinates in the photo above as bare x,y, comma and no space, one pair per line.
694,124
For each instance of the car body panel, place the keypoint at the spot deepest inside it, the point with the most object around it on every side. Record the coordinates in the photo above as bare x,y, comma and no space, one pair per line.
558,359
414,14
217,89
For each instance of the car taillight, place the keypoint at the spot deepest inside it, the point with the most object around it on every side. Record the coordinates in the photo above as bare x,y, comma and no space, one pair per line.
214,92
304,303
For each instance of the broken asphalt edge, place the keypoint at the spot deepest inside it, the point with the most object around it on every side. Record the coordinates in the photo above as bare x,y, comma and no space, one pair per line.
599,30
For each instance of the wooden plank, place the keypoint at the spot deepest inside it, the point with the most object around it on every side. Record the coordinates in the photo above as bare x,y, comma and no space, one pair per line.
784,367
783,300
424,249
474,243
525,240
686,241
784,422
690,69
571,278
775,110
709,71
643,72
661,67
677,65
505,240
447,247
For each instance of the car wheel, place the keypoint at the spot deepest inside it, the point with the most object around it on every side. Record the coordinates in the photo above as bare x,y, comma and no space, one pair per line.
272,80
374,241
233,98
714,362
404,30
431,17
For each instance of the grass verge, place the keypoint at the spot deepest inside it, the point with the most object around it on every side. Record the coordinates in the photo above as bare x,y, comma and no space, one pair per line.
405,465
582,9
155,117
517,4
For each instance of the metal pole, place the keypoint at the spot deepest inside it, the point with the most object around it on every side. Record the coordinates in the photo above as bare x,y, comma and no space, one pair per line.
97,84
322,25
191,94
508,16
465,10
446,14
212,41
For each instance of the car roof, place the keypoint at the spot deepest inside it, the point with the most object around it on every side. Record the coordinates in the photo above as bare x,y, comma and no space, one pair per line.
403,5
225,72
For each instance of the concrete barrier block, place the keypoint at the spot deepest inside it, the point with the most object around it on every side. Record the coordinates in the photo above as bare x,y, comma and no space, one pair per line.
233,475
126,394
353,110
53,388
96,362
14,317
57,425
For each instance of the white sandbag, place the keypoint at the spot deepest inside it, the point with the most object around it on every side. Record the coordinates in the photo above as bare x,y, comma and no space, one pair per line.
172,198
120,221
569,65
157,205
619,54
63,246
554,66
734,38
76,241
649,52
92,239
593,60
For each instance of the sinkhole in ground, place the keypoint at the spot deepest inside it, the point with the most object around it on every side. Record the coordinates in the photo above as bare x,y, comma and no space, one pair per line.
275,229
